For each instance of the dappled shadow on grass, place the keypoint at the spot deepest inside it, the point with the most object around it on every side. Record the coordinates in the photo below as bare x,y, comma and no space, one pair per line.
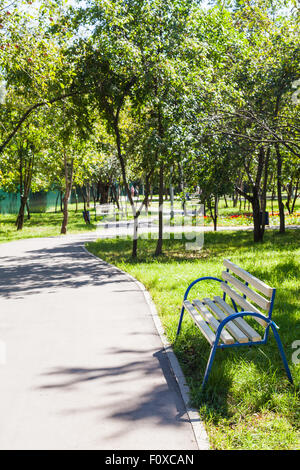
216,244
119,250
242,381
263,377
286,269
36,220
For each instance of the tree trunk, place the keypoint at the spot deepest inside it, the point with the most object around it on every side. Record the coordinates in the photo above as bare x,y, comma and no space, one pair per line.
103,190
94,196
272,199
279,190
289,189
235,197
295,197
84,198
115,196
135,236
263,198
88,194
255,202
128,192
213,209
258,234
147,199
28,210
135,212
159,244
65,214
215,218
26,170
21,214
68,183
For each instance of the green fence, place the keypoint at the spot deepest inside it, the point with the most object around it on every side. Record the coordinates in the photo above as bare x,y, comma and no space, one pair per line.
9,202
40,201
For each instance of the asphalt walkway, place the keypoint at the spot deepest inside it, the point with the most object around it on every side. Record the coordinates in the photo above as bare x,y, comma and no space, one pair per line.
82,365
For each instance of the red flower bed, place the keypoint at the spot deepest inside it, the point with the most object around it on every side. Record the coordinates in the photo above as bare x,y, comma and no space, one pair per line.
249,214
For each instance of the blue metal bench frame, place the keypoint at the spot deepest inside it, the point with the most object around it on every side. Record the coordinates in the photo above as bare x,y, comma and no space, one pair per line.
216,345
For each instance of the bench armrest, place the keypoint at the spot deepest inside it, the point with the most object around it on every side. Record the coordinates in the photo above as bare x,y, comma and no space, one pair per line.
205,278
233,316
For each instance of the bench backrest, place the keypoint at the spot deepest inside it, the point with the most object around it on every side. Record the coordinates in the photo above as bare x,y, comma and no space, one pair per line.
235,278
104,207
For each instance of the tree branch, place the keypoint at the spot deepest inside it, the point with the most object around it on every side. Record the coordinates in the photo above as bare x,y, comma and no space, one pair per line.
27,114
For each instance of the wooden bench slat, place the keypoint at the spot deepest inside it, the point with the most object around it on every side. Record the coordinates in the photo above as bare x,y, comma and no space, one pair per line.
200,322
254,296
225,336
231,326
254,281
242,302
240,322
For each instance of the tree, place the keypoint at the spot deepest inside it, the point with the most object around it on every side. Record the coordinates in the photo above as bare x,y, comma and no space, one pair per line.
32,63
255,108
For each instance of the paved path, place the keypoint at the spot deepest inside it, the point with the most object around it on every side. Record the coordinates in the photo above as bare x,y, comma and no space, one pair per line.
85,367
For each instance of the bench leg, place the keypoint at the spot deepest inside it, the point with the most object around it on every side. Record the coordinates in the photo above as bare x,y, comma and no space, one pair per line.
283,357
209,364
180,321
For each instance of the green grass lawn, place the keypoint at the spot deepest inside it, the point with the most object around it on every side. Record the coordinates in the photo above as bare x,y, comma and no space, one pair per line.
47,224
248,402
228,216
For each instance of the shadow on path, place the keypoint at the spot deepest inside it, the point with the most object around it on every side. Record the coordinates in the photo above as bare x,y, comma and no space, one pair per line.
63,266
155,403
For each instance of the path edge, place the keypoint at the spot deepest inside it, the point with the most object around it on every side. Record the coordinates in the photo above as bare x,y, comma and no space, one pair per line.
193,414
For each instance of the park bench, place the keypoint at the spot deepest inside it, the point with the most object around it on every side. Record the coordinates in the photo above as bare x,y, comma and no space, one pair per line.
100,210
108,209
224,326
103,209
